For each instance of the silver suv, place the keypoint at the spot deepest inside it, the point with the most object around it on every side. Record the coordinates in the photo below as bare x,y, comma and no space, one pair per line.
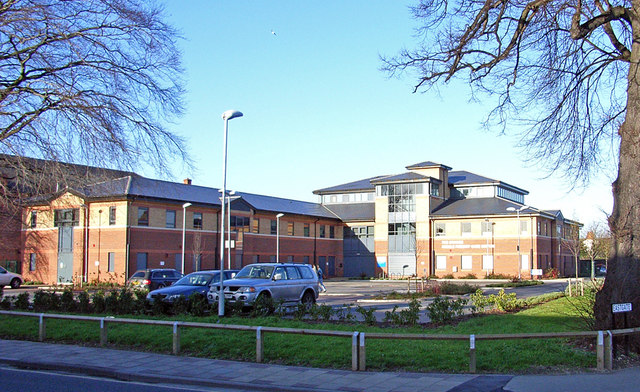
277,282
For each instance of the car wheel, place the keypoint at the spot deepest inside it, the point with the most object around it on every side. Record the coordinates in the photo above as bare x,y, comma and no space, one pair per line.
308,299
15,283
161,285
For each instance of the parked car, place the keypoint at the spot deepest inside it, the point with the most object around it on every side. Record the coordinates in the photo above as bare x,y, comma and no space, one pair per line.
280,282
9,278
195,282
151,279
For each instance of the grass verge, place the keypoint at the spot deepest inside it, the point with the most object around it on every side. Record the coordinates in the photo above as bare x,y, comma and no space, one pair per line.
328,352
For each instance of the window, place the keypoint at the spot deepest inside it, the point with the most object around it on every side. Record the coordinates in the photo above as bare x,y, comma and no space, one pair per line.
440,230
467,262
112,216
487,262
539,232
305,259
289,259
292,272
111,262
465,228
524,261
322,231
256,259
32,262
272,258
332,232
143,216
239,223
487,227
289,228
523,227
441,262
255,225
274,226
197,220
68,217
34,219
170,219
435,190
306,229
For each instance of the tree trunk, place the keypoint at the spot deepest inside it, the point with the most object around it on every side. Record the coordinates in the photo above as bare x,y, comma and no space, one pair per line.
622,283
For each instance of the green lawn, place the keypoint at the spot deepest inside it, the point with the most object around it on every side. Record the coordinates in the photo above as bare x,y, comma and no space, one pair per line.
449,356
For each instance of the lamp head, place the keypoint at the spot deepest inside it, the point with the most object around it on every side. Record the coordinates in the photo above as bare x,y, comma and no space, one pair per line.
186,205
280,215
511,209
229,114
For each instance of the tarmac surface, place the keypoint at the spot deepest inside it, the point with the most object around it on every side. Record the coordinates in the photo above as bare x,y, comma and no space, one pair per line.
247,376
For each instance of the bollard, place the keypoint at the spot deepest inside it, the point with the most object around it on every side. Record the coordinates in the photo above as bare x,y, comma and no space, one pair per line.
362,354
608,351
259,345
569,281
600,350
176,338
42,329
103,332
354,352
472,353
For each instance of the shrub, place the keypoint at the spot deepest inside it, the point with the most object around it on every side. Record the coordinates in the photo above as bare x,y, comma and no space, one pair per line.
448,276
112,302
469,276
197,304
499,276
67,301
22,302
6,302
44,301
84,302
506,302
98,301
344,313
456,288
321,312
480,301
444,309
300,311
126,302
408,316
368,314
551,273
180,305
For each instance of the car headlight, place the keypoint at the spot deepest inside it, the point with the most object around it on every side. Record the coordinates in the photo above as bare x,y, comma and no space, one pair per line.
247,290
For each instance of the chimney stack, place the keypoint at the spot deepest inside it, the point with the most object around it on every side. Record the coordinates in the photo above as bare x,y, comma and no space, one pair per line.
186,181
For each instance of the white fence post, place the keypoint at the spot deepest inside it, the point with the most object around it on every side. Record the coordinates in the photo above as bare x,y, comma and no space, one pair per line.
472,353
259,345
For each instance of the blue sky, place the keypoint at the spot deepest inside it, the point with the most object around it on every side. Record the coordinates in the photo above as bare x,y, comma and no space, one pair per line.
318,111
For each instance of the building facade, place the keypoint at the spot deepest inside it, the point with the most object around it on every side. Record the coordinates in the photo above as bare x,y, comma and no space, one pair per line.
432,221
428,221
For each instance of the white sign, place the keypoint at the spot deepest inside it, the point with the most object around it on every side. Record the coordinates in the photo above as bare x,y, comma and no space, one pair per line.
536,272
621,308
97,263
230,244
161,262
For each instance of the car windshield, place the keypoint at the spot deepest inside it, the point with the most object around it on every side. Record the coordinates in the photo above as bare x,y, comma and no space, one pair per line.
255,272
194,280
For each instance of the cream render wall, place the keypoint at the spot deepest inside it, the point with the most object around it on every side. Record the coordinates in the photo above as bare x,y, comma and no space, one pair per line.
381,227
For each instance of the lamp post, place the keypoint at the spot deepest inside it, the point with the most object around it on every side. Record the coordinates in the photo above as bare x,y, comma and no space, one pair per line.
518,228
184,228
229,199
280,215
226,116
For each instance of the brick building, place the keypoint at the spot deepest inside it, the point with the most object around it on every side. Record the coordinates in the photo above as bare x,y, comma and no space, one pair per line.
427,221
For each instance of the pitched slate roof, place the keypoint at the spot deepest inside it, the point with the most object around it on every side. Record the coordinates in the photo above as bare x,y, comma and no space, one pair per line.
360,185
135,186
354,212
427,164
409,176
479,206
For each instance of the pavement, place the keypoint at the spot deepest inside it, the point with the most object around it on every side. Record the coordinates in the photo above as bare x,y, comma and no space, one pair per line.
248,376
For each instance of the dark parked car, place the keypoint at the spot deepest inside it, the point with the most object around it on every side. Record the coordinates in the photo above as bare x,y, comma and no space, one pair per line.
151,279
195,282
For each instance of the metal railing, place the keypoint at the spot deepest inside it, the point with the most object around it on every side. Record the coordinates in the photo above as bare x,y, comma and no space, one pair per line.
604,339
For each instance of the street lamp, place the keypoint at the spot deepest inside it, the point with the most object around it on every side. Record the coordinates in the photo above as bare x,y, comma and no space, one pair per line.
229,199
518,228
184,226
280,215
226,116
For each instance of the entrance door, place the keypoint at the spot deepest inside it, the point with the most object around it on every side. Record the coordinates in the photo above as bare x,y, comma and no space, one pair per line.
65,254
331,266
141,261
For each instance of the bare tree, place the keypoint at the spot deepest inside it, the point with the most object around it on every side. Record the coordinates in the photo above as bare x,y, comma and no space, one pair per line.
566,70
596,243
92,81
